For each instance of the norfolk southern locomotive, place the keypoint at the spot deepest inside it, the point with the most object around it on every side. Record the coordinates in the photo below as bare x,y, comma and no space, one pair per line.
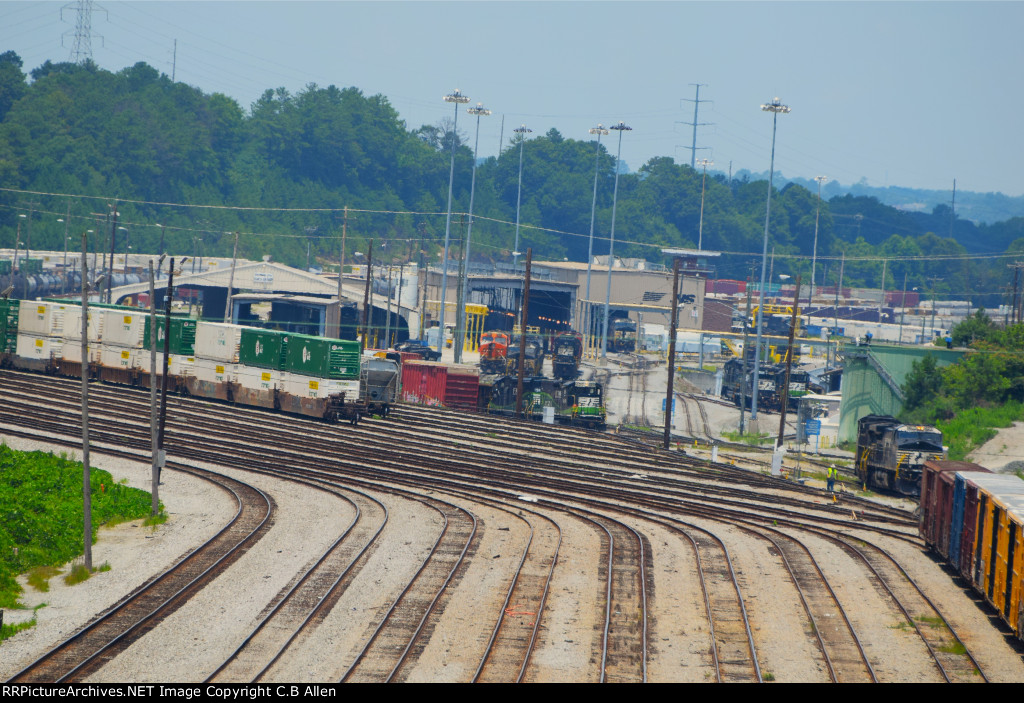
891,455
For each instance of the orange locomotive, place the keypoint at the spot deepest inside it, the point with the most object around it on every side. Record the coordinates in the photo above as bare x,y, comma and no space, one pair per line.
493,352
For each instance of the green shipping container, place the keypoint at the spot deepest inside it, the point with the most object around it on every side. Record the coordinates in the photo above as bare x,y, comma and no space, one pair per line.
264,349
322,357
6,267
183,334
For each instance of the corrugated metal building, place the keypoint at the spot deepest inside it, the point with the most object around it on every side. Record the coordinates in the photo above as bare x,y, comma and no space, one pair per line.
873,377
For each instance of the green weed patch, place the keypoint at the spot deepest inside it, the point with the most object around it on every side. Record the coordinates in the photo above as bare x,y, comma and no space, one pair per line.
41,512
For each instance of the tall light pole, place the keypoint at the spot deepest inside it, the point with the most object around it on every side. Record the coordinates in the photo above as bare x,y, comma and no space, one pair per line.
599,130
127,246
460,312
774,107
620,128
459,99
522,130
814,254
700,228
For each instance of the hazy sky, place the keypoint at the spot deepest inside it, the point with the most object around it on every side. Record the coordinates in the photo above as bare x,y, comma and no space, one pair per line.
911,93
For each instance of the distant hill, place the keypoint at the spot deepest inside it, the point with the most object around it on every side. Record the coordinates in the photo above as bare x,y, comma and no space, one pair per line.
976,207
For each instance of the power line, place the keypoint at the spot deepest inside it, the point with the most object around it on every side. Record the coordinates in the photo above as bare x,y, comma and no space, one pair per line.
81,51
696,105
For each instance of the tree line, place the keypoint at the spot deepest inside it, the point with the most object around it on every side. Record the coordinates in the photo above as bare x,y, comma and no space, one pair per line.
284,171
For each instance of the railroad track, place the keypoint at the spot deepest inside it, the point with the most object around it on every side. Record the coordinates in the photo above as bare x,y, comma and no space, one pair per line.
600,483
113,631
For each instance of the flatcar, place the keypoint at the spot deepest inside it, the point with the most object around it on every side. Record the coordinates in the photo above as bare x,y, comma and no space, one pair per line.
891,455
567,355
299,374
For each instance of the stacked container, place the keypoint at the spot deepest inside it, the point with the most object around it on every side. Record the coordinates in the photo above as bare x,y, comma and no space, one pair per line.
40,329
217,347
10,311
317,367
263,349
322,357
183,334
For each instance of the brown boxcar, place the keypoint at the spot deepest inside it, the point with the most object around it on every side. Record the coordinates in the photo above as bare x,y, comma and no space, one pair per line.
937,481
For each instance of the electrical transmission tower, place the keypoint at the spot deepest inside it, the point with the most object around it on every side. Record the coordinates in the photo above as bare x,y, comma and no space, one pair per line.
81,50
696,105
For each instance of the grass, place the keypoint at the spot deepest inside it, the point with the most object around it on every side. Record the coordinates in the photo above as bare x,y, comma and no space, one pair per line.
11,630
954,647
153,520
79,573
754,440
973,427
931,621
39,577
41,509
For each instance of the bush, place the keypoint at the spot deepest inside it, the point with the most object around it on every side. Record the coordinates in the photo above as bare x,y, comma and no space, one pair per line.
41,514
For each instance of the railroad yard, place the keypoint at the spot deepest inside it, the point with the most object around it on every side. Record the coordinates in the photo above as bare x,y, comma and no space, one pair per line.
442,546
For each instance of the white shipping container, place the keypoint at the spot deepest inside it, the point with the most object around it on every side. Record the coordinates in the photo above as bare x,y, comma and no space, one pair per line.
114,356
124,327
218,341
41,317
312,387
179,365
73,324
72,351
37,347
258,379
213,371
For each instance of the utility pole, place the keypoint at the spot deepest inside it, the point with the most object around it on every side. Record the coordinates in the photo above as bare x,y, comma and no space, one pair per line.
881,299
669,394
743,381
231,280
1016,266
64,268
903,306
341,257
459,338
113,232
164,371
696,105
86,484
366,296
789,363
153,433
522,333
934,280
422,276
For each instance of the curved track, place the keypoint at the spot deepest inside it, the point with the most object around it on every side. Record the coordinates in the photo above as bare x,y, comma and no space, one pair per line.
572,476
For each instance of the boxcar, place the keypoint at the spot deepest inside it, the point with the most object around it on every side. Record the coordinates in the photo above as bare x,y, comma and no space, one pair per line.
938,480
